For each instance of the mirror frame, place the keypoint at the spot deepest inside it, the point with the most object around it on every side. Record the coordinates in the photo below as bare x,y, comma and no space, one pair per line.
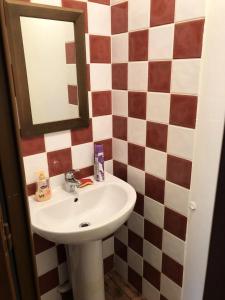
13,11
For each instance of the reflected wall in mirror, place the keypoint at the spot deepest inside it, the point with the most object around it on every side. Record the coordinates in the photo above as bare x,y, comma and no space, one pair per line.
49,66
49,48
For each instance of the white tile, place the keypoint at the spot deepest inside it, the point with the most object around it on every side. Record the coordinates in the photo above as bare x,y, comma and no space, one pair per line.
152,255
109,166
169,289
155,162
102,127
99,19
121,267
57,180
138,76
113,2
161,40
51,295
154,211
90,104
63,273
120,151
149,291
82,155
120,103
136,224
108,247
120,48
122,234
180,141
46,261
100,77
173,247
136,178
71,74
48,2
185,76
135,261
190,9
57,140
158,107
138,14
176,198
33,164
137,131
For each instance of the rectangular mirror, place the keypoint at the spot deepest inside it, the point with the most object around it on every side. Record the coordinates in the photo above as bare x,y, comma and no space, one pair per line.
47,46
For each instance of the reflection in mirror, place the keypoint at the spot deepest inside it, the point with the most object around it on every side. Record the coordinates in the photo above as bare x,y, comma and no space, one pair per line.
49,48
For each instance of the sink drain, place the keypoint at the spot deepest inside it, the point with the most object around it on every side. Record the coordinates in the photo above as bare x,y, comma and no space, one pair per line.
85,224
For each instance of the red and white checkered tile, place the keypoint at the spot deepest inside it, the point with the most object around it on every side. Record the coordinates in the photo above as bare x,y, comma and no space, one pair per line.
57,152
156,55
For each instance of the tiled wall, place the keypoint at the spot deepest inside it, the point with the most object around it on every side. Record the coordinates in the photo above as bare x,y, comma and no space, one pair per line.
156,55
58,152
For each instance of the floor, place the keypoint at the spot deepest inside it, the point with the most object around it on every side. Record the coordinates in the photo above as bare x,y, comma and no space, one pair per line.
115,289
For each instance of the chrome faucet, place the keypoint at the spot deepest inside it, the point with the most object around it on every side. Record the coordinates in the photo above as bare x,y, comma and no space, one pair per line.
71,183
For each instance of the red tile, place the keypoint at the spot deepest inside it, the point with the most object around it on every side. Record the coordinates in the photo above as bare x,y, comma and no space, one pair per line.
106,2
61,254
120,249
183,110
119,76
159,76
120,170
135,280
31,189
153,234
172,269
59,161
188,39
34,145
135,242
139,205
154,188
77,5
162,12
108,264
120,127
156,136
179,171
107,146
85,172
72,94
138,45
175,223
70,53
137,105
100,49
41,244
152,275
82,135
101,103
119,18
136,156
48,281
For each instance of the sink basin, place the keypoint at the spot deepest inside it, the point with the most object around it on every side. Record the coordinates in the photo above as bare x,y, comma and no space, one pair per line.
81,221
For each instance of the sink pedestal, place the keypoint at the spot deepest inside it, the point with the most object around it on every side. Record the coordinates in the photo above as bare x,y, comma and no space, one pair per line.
86,270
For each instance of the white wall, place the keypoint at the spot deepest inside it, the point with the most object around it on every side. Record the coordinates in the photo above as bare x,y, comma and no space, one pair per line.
207,150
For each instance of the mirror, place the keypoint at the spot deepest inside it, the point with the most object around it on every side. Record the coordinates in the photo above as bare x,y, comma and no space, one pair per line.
49,67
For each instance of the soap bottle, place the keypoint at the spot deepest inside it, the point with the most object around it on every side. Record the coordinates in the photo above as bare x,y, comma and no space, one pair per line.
99,162
43,190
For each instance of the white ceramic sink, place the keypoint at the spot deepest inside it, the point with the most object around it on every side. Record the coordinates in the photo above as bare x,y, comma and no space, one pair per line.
104,206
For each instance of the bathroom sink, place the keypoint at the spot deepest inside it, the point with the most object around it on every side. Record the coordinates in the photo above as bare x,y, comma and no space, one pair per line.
94,213
81,221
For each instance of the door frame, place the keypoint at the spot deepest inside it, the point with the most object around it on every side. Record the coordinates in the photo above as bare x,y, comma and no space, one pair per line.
13,180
